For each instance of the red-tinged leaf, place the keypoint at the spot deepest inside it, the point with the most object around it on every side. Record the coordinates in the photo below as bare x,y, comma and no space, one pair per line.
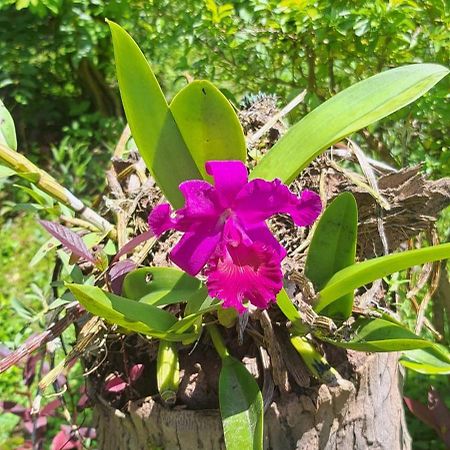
117,274
13,408
87,432
30,369
115,384
70,240
83,402
136,372
421,411
40,422
441,415
50,408
133,243
64,441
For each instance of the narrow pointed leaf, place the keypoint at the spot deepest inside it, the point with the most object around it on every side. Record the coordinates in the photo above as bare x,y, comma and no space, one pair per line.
379,335
127,313
434,360
69,239
241,407
151,122
161,286
349,111
333,247
365,272
208,124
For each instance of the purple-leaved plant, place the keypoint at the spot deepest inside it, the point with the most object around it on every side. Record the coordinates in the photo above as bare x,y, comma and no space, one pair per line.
225,232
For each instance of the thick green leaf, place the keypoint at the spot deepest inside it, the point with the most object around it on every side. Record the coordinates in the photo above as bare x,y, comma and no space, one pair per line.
349,111
359,274
129,314
379,335
332,248
208,124
7,128
161,286
241,407
152,125
434,360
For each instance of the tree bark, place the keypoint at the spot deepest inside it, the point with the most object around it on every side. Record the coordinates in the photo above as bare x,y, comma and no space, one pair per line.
365,413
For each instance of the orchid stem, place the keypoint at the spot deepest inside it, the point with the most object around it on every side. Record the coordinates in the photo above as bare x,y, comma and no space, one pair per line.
217,340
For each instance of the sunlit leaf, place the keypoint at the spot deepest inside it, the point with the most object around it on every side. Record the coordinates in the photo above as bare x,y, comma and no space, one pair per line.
332,248
365,272
151,122
161,286
241,407
379,335
434,360
349,111
208,124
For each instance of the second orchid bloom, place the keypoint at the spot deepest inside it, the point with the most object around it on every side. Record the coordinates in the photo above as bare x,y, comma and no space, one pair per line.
225,232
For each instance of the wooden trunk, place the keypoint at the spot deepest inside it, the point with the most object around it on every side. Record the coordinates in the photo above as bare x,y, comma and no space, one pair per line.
366,413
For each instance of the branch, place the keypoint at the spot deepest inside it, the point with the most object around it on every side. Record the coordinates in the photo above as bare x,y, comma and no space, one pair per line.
25,168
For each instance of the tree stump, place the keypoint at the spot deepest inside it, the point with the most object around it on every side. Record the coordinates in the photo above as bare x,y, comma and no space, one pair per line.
364,413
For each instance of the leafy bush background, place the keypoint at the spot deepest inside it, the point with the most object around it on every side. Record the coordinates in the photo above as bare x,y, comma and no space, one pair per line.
57,79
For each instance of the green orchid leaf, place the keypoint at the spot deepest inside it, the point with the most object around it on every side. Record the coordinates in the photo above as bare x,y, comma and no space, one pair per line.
129,314
161,286
7,128
349,111
379,335
434,360
152,125
332,248
241,406
208,124
360,274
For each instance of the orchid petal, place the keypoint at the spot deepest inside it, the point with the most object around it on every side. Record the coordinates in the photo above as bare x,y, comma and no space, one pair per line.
201,206
229,178
242,272
259,232
159,219
260,199
194,249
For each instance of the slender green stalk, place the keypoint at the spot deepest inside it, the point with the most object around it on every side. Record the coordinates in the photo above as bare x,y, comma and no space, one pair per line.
218,341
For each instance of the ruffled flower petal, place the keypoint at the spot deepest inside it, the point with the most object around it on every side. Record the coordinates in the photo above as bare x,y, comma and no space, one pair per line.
244,272
229,178
307,210
259,200
194,250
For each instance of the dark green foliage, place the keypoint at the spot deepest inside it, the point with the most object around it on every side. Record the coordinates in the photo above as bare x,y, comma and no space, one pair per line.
57,65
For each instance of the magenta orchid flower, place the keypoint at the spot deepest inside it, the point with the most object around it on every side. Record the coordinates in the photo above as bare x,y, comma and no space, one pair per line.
225,231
